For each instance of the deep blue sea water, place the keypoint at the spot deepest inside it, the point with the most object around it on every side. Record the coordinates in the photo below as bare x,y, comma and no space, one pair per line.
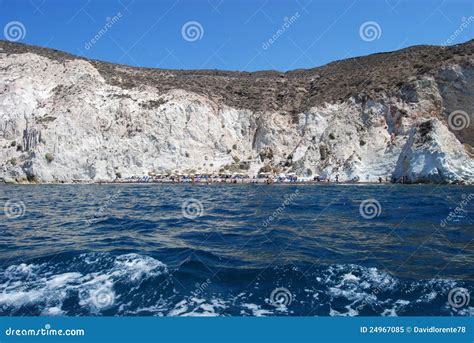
239,250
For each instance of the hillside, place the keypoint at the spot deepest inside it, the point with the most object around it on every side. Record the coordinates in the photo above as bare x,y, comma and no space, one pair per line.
67,118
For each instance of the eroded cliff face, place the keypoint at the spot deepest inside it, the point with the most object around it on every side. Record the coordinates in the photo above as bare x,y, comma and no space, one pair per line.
64,119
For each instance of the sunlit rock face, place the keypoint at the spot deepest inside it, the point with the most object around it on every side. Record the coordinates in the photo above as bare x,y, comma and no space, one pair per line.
64,118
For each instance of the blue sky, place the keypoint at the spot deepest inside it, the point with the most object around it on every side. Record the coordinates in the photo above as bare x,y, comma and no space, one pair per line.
234,35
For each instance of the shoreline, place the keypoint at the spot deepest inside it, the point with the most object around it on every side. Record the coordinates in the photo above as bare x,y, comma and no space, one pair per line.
204,183
228,179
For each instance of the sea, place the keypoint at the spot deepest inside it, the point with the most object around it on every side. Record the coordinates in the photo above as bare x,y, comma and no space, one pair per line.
236,250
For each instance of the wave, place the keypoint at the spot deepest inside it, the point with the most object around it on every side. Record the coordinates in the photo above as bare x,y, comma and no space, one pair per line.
91,281
132,284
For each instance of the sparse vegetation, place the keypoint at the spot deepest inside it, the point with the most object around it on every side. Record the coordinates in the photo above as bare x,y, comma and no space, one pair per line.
324,151
266,153
292,92
425,128
469,149
152,104
49,157
266,169
244,166
46,119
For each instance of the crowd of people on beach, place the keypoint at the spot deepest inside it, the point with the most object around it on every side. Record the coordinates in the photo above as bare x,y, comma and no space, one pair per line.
263,178
208,179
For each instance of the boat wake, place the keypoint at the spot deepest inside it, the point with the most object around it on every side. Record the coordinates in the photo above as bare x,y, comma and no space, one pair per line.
132,285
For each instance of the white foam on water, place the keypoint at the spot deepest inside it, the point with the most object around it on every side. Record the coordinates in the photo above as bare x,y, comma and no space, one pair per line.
45,286
350,312
397,306
338,290
138,267
356,288
255,310
198,307
57,281
52,311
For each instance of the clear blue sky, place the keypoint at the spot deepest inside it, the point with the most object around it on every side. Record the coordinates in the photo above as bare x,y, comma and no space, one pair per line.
235,34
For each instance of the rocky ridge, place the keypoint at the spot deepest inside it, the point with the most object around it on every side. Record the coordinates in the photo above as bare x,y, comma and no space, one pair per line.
402,114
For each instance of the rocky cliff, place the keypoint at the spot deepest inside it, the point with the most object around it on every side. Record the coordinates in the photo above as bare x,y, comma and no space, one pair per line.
402,114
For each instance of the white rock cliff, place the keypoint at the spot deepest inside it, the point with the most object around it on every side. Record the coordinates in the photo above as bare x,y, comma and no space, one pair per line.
62,120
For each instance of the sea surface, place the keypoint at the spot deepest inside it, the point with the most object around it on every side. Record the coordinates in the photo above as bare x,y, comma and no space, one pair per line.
236,250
